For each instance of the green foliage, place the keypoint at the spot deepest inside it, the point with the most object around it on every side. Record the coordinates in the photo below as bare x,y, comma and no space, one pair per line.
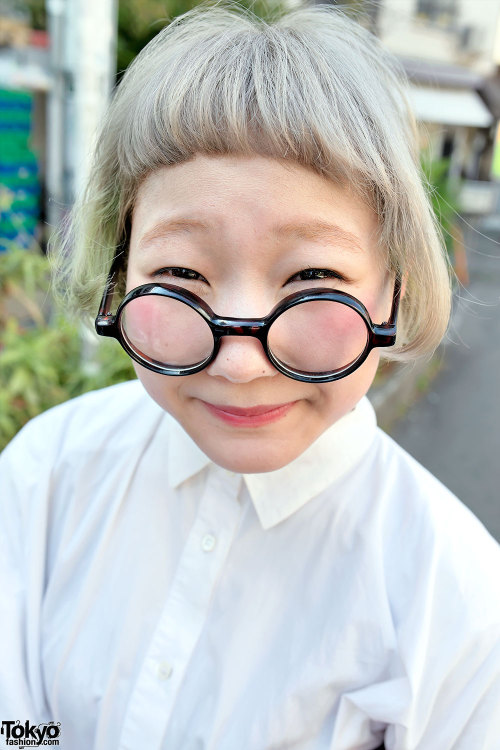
140,20
42,360
36,11
443,194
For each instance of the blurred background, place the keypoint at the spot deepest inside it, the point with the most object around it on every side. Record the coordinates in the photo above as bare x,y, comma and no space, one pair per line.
59,63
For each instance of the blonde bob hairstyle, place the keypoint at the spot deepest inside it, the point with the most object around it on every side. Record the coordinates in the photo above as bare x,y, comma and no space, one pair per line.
312,87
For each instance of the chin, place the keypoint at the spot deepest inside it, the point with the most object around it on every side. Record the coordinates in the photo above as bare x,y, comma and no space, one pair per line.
248,461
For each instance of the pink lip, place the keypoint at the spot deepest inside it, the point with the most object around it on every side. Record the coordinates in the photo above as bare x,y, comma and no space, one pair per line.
252,416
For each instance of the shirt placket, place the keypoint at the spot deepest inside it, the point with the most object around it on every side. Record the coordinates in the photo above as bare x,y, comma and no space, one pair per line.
184,614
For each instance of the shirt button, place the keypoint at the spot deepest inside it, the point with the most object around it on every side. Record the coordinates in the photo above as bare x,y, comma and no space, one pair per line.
164,670
208,543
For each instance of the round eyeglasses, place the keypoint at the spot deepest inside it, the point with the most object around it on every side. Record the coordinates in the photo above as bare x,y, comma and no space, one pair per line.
316,335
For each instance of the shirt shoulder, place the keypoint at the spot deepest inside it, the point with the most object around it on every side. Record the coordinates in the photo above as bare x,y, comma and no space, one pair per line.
95,417
409,486
82,443
433,546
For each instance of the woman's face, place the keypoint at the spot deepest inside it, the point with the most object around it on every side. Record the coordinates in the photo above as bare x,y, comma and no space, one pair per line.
243,228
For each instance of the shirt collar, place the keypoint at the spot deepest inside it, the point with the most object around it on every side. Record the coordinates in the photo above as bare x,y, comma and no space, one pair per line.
185,459
276,495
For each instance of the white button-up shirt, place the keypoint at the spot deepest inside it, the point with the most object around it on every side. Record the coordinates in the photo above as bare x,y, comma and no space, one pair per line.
151,599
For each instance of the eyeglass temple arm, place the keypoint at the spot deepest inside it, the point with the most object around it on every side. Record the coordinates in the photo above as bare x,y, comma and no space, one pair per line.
395,301
105,319
385,334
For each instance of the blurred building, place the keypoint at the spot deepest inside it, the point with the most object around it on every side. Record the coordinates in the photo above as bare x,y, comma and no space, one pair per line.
54,86
449,49
24,83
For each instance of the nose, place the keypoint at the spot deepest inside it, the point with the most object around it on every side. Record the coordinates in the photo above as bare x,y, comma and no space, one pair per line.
241,359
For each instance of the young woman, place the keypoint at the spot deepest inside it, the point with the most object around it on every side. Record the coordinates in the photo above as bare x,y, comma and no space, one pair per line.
227,553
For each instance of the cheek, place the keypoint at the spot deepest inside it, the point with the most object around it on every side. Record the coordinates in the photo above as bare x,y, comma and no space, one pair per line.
318,336
142,322
162,388
167,330
340,397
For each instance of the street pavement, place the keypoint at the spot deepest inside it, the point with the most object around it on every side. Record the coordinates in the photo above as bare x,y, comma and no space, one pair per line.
454,429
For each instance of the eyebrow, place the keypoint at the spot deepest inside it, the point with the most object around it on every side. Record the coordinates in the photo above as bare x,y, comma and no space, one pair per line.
169,227
321,231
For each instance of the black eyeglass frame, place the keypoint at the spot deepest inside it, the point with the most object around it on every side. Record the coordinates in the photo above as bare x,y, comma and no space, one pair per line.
107,324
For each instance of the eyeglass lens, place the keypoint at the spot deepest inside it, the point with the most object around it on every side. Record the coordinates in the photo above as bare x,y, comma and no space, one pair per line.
320,336
166,331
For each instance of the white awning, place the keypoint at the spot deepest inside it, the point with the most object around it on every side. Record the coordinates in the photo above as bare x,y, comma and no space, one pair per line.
450,106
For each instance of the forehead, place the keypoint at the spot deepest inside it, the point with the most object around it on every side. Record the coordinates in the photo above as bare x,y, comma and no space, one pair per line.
256,197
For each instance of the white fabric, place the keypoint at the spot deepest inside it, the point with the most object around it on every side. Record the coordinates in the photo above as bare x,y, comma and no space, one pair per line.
150,599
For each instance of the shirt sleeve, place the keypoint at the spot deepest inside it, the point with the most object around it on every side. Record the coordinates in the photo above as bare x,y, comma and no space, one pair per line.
448,625
460,711
22,564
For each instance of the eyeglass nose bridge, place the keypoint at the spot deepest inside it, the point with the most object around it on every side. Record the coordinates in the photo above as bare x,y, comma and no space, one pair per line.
240,327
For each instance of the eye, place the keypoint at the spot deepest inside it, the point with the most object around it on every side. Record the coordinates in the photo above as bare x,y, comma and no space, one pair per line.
178,272
315,274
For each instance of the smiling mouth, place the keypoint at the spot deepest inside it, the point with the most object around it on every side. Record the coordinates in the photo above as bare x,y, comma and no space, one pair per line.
251,416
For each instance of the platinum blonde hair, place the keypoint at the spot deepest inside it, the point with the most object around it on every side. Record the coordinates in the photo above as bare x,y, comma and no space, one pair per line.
312,87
